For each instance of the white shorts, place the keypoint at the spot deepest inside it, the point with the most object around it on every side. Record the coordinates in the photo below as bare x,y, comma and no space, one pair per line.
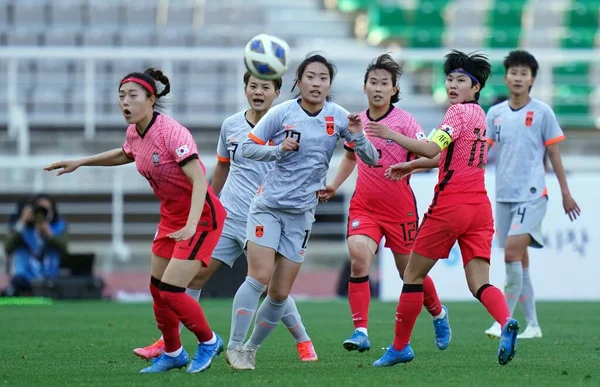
286,233
231,243
521,218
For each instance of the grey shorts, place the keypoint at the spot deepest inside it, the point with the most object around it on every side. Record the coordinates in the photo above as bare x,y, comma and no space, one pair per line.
286,233
521,218
231,243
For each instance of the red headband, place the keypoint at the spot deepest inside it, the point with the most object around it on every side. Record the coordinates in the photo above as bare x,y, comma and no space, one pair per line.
140,82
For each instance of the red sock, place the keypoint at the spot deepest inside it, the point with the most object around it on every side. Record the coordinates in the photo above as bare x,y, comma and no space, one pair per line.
359,298
492,298
166,321
187,310
431,302
409,307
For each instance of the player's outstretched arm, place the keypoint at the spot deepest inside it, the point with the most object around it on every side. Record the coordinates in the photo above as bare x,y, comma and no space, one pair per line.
220,176
422,148
362,146
569,204
255,149
346,167
109,158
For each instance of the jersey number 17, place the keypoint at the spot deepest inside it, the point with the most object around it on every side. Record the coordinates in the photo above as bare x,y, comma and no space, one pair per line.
481,143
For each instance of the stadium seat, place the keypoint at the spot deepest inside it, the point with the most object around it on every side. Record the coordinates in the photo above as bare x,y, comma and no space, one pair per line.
173,37
572,73
353,5
583,14
102,13
66,13
579,38
504,37
387,22
98,36
137,37
180,14
140,13
29,13
61,36
504,21
24,36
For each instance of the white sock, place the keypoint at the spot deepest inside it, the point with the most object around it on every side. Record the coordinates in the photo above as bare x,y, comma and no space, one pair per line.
363,330
440,316
194,293
175,353
211,341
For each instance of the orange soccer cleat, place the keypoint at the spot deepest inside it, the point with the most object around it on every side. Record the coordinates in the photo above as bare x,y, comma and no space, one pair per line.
151,351
306,351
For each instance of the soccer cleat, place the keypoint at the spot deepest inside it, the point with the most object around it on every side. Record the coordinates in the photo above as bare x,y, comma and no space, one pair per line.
233,353
246,359
152,351
357,342
531,333
164,363
306,351
443,333
205,355
495,331
508,341
392,356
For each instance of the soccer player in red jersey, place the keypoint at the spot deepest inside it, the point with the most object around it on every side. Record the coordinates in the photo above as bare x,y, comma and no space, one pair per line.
460,209
191,216
380,206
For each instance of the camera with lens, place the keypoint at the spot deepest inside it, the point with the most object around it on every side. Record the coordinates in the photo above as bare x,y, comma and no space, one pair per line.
41,214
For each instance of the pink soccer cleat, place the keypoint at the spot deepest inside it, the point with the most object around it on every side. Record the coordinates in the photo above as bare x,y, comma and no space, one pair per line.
306,351
151,351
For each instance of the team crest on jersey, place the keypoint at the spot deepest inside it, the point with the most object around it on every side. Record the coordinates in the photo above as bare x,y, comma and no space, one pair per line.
259,231
155,158
330,125
355,224
529,118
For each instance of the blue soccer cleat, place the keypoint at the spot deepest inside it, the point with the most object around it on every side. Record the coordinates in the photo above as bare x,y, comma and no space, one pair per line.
508,341
164,363
357,342
204,356
392,356
443,333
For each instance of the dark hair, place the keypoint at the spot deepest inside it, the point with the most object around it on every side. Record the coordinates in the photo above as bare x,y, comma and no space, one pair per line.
313,57
150,76
276,82
387,63
475,64
521,58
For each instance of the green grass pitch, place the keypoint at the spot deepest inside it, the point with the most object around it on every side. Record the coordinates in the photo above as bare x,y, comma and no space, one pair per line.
90,343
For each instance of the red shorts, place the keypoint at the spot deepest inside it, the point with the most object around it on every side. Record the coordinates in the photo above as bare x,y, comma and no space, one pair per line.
198,247
471,224
398,236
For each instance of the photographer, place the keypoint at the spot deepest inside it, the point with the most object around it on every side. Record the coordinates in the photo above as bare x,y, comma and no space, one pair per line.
35,244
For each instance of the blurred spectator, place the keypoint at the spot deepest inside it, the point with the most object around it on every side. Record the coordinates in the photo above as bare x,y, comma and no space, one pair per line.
36,243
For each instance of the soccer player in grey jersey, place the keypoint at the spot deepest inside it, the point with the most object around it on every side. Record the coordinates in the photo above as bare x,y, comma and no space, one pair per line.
305,132
236,179
523,129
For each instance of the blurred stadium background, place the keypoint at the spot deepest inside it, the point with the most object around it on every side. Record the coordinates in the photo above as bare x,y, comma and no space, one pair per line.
61,60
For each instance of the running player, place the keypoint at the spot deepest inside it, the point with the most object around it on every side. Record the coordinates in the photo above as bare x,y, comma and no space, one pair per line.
235,181
460,209
305,132
382,207
191,216
523,129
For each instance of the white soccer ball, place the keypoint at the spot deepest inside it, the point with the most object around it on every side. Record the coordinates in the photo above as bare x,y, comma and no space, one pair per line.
267,57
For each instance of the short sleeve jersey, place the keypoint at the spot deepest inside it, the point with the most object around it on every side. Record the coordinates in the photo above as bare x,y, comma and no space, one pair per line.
522,137
388,200
293,183
159,155
461,176
245,175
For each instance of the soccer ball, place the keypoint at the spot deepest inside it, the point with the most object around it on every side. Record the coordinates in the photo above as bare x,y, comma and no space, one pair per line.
267,57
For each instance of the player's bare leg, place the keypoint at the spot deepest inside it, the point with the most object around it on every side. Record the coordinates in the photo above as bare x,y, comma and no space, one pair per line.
193,290
477,271
409,307
514,251
261,262
431,302
362,250
271,310
527,304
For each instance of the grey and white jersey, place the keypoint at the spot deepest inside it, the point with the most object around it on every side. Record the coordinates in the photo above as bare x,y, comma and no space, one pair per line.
245,175
522,137
297,176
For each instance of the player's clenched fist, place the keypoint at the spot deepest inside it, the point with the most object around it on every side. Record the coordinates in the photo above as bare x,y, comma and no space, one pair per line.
289,144
354,123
